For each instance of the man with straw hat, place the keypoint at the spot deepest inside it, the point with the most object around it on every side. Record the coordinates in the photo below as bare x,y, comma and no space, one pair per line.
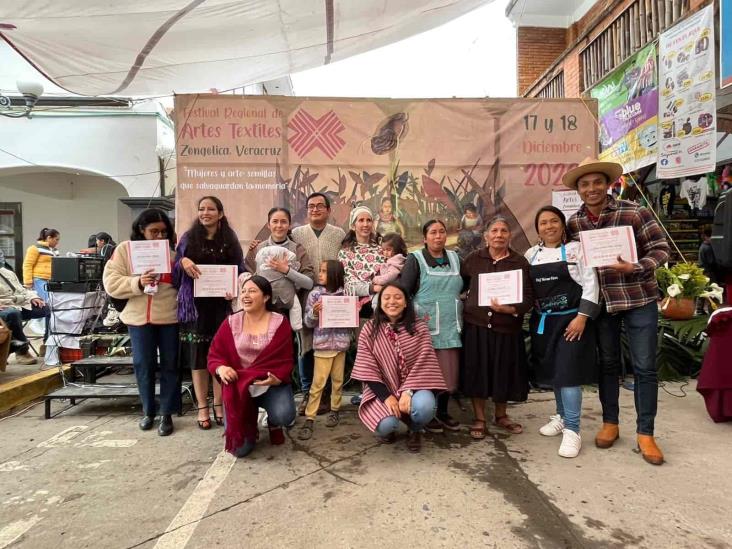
629,291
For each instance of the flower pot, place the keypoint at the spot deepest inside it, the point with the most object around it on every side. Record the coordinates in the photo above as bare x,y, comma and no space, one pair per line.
678,308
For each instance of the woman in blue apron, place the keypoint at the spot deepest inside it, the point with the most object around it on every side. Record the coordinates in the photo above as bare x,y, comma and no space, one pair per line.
432,276
562,345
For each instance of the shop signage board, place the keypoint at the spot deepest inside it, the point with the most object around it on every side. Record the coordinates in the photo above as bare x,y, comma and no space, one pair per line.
725,43
428,157
687,102
628,111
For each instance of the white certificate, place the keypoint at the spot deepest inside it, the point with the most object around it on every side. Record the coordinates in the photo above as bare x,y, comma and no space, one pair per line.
507,287
149,254
216,281
339,311
603,246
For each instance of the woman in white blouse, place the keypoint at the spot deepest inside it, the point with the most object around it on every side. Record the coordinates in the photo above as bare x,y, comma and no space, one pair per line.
562,345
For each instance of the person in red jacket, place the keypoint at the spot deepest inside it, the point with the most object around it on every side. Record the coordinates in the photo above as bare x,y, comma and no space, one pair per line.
252,356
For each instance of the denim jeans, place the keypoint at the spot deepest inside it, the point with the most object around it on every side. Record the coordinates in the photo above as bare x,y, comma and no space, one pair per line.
279,403
39,286
421,413
146,340
14,319
569,406
641,327
306,366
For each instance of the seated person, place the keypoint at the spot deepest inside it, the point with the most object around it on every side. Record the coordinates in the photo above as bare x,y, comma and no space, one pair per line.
17,304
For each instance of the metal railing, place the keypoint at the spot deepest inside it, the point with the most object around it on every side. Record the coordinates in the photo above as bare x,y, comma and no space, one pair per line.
640,23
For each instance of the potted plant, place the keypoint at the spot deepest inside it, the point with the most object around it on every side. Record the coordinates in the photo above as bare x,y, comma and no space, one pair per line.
681,285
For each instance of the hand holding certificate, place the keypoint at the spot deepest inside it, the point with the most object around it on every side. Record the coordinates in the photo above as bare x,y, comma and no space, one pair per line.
505,287
216,281
338,311
602,247
149,255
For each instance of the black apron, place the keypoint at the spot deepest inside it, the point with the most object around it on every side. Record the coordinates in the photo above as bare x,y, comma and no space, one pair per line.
556,362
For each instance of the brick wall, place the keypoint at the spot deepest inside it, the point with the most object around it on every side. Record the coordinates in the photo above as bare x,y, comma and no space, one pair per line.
538,47
594,22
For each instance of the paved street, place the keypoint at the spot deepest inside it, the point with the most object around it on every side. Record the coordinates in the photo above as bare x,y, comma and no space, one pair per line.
90,478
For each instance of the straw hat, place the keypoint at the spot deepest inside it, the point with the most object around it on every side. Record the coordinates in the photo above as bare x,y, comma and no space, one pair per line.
612,170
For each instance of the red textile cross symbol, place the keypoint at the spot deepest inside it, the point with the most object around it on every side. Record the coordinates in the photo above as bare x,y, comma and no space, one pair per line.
309,133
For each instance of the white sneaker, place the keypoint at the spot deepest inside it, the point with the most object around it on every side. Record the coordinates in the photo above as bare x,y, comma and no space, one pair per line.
554,427
571,444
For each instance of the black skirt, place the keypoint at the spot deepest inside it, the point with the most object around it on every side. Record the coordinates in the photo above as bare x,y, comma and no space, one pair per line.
494,365
556,362
195,337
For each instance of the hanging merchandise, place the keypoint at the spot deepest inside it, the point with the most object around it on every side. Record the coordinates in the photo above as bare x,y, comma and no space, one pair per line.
666,199
695,192
628,111
687,101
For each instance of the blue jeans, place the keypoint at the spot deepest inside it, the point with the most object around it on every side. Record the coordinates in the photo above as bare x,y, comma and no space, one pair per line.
279,403
421,413
641,327
569,406
146,340
39,285
306,366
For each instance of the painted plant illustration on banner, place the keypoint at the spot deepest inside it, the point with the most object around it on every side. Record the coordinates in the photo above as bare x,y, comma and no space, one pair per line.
628,110
408,160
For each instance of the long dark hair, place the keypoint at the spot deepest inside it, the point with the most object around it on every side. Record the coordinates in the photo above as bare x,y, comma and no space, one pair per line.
48,233
106,238
335,275
224,239
276,209
408,319
266,288
147,217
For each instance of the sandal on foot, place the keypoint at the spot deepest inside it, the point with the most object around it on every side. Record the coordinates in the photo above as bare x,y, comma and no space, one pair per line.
218,419
306,431
510,426
204,424
477,429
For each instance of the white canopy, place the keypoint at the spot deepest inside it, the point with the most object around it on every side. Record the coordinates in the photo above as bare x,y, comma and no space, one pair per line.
151,47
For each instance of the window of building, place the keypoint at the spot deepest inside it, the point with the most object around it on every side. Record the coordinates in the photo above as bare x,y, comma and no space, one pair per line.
554,88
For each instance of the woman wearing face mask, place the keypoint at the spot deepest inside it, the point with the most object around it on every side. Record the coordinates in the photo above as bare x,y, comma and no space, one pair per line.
562,344
494,353
284,263
252,356
432,276
209,241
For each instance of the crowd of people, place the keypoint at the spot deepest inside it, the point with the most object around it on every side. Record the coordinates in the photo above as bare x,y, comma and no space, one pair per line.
424,333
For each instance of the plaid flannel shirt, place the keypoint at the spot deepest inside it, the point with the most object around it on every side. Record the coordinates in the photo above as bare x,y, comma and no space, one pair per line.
627,291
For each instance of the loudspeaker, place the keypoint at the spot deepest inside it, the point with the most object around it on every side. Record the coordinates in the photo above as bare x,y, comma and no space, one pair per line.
76,269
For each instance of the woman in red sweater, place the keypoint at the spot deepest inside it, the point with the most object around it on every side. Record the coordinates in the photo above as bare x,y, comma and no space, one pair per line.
252,356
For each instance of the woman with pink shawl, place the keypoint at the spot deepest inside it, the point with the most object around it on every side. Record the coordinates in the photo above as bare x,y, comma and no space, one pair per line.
398,367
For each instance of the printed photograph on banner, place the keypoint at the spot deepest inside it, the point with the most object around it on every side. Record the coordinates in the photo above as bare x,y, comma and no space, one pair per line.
627,104
407,160
687,98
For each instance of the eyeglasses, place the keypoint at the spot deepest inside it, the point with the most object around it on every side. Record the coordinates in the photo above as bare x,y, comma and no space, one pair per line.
157,232
318,207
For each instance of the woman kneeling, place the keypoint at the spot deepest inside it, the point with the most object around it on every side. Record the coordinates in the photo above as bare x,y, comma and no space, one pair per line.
251,354
398,366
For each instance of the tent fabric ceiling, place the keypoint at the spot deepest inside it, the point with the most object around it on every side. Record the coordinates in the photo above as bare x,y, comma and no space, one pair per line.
143,47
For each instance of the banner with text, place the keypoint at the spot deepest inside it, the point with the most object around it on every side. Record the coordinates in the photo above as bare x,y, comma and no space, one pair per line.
408,160
627,103
687,103
725,43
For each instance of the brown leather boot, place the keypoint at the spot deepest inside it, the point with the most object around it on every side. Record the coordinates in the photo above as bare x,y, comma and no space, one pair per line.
607,436
650,450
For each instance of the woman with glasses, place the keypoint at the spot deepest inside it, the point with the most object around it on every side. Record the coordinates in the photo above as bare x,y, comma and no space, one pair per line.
150,316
